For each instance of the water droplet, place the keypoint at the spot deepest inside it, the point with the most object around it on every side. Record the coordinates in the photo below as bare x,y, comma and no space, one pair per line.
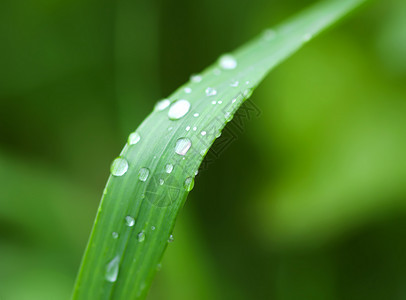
307,37
233,100
161,181
161,105
247,82
112,269
195,78
182,146
115,235
141,236
168,168
170,128
178,109
197,172
187,90
235,83
227,62
143,174
134,138
152,227
269,34
219,102
119,167
159,267
194,128
213,102
129,221
189,184
170,239
203,133
187,128
195,115
210,92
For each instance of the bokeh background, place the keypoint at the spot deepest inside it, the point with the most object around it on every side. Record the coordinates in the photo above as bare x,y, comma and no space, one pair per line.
309,202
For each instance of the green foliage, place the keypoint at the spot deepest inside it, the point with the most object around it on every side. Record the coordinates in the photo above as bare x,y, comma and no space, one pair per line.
150,180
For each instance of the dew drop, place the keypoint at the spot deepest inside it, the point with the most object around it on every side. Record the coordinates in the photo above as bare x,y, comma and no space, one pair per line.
194,128
187,90
152,227
219,102
195,115
178,109
168,168
189,184
210,92
195,78
161,181
141,236
159,267
112,269
182,146
143,174
134,138
197,172
161,105
115,235
171,239
119,167
235,83
203,133
129,221
187,128
213,102
227,62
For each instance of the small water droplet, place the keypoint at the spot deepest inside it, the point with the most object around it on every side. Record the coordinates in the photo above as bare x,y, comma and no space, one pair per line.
134,138
143,174
170,128
159,267
194,128
213,102
152,227
203,133
187,128
141,236
195,78
219,102
247,82
182,146
189,184
235,83
168,168
187,90
171,239
115,235
161,181
233,101
112,269
197,172
210,92
161,105
178,109
119,167
195,115
227,62
129,221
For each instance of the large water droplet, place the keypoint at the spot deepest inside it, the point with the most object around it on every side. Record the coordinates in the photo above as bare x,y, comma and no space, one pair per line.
129,221
112,269
227,62
134,138
119,167
143,174
189,184
168,168
171,239
182,146
141,236
195,78
161,105
210,92
178,109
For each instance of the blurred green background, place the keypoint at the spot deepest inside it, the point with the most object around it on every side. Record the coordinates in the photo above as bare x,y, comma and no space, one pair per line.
308,203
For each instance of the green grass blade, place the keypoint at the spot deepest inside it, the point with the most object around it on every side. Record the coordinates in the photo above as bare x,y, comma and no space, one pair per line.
151,179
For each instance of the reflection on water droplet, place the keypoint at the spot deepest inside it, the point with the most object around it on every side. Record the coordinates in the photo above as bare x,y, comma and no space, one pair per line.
189,184
219,102
161,105
187,90
170,239
227,62
112,269
115,235
210,92
213,102
141,236
119,167
143,174
197,172
168,168
203,133
234,83
129,221
187,128
178,109
195,115
195,78
134,138
194,128
182,146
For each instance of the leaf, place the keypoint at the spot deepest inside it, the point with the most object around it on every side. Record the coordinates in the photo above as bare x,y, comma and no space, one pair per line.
156,169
